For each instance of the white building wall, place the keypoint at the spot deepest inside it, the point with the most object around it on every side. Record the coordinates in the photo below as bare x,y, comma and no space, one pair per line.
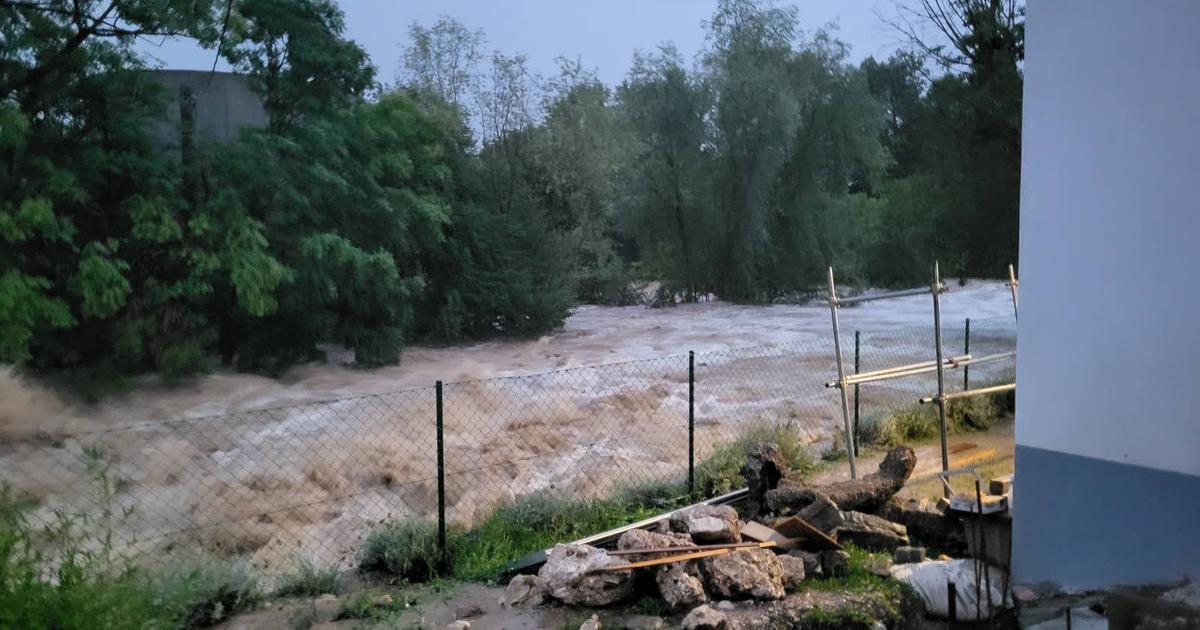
1109,337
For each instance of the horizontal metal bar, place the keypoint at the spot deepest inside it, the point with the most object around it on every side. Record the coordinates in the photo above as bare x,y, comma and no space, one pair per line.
995,389
901,371
886,295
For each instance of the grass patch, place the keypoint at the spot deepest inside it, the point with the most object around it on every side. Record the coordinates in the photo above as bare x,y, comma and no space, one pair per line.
720,472
920,422
408,549
886,599
308,580
539,521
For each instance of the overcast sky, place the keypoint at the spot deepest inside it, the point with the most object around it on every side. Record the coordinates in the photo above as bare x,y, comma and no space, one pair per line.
603,34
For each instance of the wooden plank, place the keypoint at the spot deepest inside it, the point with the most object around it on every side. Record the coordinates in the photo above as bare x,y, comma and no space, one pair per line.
681,558
538,557
762,533
634,552
798,528
973,458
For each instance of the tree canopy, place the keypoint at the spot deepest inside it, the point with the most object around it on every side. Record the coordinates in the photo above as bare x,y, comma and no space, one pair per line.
472,198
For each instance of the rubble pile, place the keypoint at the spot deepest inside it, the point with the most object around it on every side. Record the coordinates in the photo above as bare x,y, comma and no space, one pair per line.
713,566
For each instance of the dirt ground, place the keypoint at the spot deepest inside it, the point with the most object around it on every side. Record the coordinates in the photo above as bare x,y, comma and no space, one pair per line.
989,452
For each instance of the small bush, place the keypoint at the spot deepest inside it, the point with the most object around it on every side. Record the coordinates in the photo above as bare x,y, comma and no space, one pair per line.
203,595
920,422
309,580
720,472
406,549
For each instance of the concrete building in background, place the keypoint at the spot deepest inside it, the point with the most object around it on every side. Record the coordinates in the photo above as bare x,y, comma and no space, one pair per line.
1108,419
222,104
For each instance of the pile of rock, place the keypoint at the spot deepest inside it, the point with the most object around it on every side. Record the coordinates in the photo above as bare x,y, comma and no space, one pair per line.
575,574
811,523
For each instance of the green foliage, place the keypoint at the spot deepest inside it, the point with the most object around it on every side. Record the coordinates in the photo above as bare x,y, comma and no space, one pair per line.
920,422
307,579
406,549
475,200
720,471
539,521
206,594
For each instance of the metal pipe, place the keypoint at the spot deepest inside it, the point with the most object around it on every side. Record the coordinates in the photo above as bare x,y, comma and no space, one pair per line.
691,422
941,374
995,389
441,481
857,345
880,296
837,349
1012,285
967,350
901,371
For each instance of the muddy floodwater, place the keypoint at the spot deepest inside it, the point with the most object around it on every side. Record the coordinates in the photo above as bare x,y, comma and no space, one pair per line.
302,466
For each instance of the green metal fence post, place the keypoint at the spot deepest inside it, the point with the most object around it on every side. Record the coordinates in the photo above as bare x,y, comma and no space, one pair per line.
441,480
967,350
856,346
691,422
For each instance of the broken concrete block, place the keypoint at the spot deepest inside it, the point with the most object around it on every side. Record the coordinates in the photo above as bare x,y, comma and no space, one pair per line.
905,555
591,624
1000,485
571,576
744,574
793,572
681,585
524,590
812,562
642,539
705,618
835,563
822,513
708,524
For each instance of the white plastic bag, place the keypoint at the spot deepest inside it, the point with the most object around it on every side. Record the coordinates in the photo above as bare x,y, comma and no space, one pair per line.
929,580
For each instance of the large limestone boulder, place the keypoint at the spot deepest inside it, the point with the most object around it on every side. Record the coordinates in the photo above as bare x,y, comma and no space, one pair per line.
570,575
794,572
744,574
708,524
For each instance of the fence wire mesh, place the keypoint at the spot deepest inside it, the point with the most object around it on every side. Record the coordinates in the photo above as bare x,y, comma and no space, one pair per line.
310,481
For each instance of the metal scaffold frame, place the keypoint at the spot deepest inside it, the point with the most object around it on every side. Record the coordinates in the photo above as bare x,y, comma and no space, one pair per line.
939,364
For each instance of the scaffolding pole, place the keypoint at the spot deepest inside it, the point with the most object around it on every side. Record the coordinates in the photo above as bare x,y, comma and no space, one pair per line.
941,373
1012,286
960,361
837,349
982,391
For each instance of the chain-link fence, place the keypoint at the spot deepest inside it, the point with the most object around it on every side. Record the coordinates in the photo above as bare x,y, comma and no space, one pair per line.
310,481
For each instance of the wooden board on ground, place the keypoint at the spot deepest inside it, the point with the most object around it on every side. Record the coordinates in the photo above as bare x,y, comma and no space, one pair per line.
799,529
673,550
681,558
762,533
955,449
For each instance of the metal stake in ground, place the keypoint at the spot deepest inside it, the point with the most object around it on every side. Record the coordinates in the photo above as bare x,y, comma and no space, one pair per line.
691,422
941,373
967,351
856,348
841,368
441,480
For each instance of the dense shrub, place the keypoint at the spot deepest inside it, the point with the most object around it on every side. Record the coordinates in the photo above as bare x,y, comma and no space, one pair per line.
406,549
